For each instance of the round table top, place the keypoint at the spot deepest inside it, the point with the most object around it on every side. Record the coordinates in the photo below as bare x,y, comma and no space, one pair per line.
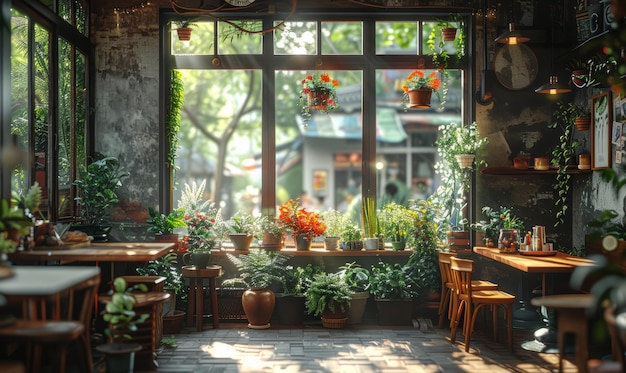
212,270
564,301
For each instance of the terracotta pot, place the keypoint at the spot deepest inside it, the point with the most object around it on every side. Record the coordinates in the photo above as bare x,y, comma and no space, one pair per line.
357,307
271,242
184,33
583,123
174,324
258,304
448,33
173,238
241,241
420,98
334,319
318,99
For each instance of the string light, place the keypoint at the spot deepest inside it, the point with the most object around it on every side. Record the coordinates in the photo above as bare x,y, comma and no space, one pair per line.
131,9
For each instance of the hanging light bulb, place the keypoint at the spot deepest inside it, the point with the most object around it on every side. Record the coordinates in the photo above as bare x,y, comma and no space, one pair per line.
553,87
512,36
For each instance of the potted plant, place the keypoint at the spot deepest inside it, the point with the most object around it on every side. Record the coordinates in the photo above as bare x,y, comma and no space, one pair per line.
496,220
290,303
303,225
273,233
203,235
329,296
418,89
122,320
97,188
259,270
564,154
184,28
351,238
393,288
335,221
440,34
399,222
165,266
370,223
13,224
317,92
163,225
242,228
358,279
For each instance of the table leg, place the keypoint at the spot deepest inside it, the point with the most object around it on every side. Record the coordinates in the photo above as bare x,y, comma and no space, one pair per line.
191,301
199,311
216,318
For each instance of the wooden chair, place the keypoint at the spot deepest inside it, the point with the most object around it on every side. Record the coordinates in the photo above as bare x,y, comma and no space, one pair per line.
448,302
470,302
618,336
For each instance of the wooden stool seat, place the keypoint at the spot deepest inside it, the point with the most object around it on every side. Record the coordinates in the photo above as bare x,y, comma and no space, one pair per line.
470,302
448,300
195,302
54,334
571,319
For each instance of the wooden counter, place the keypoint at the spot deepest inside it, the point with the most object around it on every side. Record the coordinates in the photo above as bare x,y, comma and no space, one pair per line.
104,252
559,263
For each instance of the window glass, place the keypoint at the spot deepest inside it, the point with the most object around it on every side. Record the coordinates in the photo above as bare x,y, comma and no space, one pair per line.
82,18
342,38
201,41
65,10
396,38
64,128
296,38
233,41
220,137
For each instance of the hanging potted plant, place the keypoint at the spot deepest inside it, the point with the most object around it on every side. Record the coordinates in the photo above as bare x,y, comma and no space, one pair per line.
184,28
318,92
418,89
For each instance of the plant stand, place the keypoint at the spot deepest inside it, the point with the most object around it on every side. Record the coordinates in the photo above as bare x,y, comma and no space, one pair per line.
120,357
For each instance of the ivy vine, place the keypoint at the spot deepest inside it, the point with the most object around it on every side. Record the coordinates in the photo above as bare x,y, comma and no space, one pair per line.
172,125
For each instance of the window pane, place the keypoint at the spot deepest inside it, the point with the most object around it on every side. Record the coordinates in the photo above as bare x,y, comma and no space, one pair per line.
201,41
396,38
220,137
65,10
342,38
81,117
233,41
82,19
436,42
327,144
296,38
64,131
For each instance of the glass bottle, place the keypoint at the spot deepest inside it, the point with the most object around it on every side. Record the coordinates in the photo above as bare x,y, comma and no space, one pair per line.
509,241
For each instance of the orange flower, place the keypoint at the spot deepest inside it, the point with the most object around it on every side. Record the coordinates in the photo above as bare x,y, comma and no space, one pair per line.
298,220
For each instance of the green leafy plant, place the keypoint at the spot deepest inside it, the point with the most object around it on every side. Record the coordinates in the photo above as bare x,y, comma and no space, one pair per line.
28,201
357,277
399,221
169,341
243,223
423,235
370,223
351,232
327,291
119,311
563,154
392,281
98,185
298,280
165,224
335,221
496,220
423,268
260,268
11,218
165,266
172,121
185,22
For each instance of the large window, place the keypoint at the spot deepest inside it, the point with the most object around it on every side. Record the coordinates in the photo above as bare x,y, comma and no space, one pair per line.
242,130
49,94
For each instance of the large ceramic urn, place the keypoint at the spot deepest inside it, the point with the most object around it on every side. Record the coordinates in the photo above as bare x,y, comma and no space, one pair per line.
258,304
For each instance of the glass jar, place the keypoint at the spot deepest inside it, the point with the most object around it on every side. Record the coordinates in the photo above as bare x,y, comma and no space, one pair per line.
509,241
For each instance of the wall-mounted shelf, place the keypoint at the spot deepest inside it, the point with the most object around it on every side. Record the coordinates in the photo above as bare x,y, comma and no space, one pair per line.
509,170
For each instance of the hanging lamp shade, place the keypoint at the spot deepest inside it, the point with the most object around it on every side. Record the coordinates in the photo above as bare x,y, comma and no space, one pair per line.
512,36
553,87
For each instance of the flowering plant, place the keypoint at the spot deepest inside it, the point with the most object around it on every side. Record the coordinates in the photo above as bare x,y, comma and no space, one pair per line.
297,220
418,79
496,220
424,236
202,230
323,83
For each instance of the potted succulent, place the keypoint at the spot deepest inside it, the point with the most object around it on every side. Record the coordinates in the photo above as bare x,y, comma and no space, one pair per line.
335,221
122,320
399,222
358,279
329,296
393,288
163,225
259,270
242,229
496,220
97,188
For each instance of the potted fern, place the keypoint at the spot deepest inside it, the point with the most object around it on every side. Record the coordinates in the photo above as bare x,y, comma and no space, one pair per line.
329,296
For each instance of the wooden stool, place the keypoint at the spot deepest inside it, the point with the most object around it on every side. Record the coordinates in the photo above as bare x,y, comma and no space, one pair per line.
35,334
196,296
571,319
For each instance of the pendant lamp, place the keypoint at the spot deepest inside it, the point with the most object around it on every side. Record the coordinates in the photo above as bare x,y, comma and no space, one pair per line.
512,36
553,87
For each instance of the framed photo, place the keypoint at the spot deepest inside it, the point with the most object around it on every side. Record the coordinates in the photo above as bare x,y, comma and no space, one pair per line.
618,112
601,120
616,135
320,182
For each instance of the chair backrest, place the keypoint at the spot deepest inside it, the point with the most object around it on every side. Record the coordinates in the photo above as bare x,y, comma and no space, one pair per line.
462,270
444,267
617,335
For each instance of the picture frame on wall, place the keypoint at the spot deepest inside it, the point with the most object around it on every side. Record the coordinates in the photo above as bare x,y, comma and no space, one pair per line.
618,113
601,120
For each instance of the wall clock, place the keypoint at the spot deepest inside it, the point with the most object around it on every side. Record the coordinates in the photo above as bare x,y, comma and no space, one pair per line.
239,2
515,66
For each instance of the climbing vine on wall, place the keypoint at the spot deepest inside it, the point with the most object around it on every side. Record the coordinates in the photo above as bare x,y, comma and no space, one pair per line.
177,99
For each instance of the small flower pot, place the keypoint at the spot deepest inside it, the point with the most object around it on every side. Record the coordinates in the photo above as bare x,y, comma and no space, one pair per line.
448,33
420,98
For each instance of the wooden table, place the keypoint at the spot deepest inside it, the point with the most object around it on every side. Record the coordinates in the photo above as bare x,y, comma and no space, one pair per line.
106,252
559,263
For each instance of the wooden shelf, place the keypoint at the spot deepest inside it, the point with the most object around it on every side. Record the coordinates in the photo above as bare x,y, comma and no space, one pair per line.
508,170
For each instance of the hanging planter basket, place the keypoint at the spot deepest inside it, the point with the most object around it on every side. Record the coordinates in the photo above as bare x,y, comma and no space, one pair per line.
448,33
420,98
318,99
465,160
184,33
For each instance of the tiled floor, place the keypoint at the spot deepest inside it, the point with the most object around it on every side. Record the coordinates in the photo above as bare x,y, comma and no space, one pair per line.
363,348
